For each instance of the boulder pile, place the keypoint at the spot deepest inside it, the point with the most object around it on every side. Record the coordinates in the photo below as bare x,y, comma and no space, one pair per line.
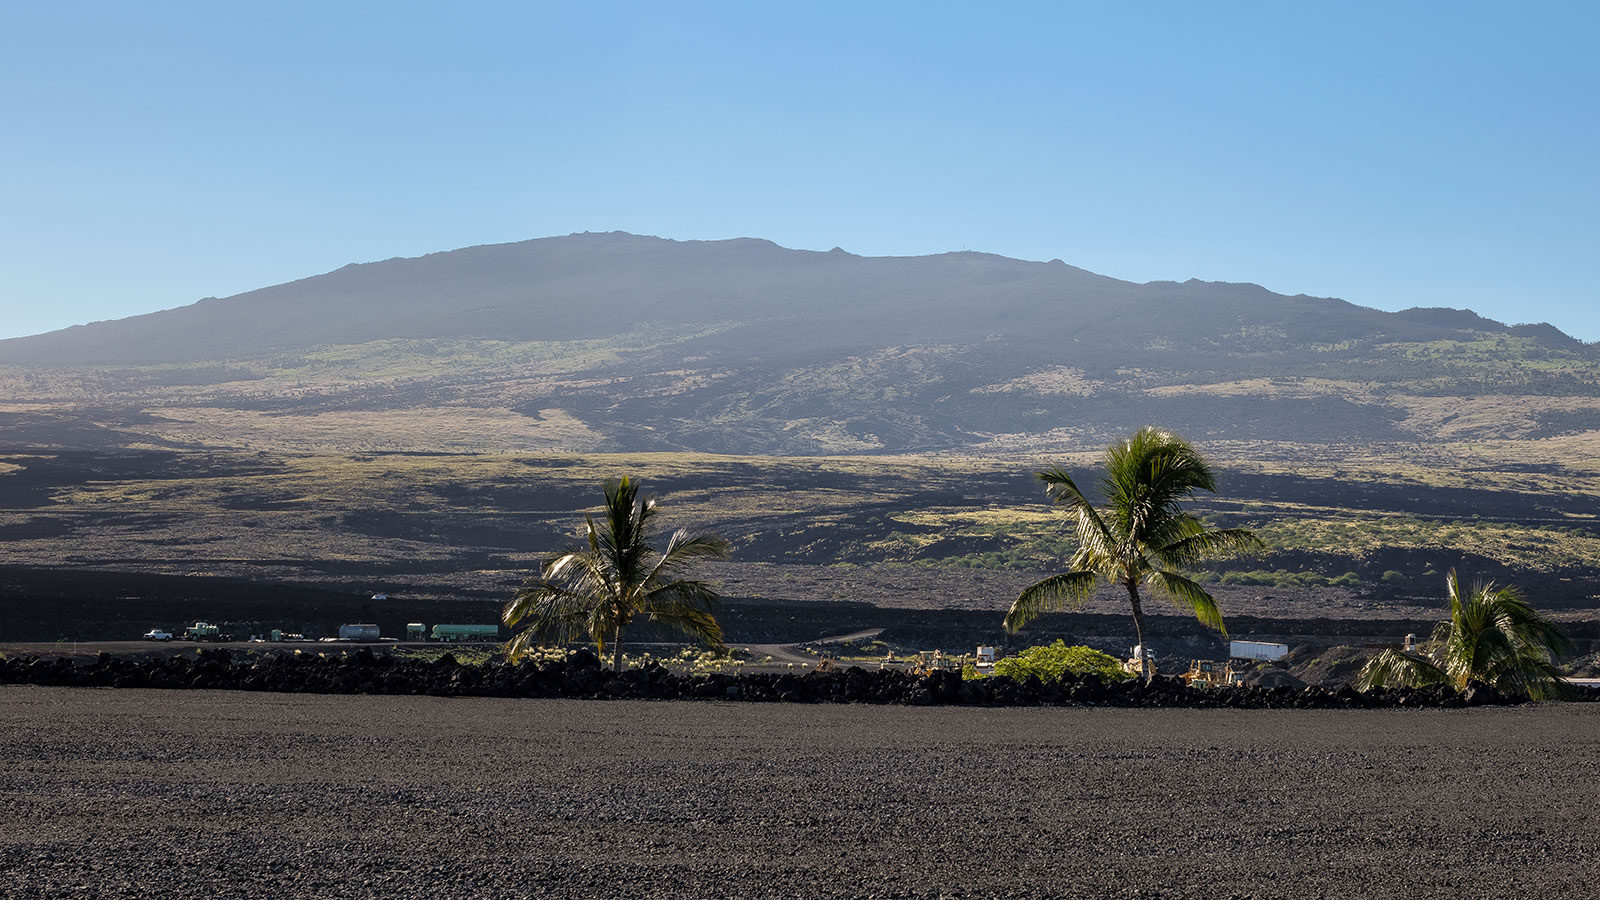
581,675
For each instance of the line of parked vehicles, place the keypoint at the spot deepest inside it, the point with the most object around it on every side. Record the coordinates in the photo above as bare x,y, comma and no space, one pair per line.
205,632
199,631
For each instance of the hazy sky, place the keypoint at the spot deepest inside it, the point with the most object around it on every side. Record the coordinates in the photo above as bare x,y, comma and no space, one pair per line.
1393,154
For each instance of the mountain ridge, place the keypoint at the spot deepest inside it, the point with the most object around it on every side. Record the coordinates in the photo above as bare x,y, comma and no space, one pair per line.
395,270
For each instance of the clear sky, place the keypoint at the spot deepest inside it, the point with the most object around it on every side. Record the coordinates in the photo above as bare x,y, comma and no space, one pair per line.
1392,154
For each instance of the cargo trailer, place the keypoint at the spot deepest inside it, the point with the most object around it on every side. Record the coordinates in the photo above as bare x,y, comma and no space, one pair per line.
1261,651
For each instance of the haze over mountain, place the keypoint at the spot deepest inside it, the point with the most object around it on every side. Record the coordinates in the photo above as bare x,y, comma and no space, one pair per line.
617,341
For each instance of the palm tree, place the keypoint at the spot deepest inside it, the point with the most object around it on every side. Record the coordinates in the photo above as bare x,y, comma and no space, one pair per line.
1493,636
1141,537
597,592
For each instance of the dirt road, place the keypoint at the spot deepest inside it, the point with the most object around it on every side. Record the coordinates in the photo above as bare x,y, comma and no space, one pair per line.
783,654
200,794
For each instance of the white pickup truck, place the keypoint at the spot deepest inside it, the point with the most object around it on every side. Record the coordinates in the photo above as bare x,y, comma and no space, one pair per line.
156,634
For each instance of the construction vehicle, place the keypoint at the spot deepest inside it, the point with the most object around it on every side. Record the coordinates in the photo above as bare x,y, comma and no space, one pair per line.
931,661
1207,673
1138,659
985,660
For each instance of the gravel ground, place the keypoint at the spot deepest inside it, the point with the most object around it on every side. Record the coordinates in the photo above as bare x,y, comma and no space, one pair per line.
131,793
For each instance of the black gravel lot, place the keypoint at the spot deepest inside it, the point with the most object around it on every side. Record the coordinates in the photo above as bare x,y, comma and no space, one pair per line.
135,793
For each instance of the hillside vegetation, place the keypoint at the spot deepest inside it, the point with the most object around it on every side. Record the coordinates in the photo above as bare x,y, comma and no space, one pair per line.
1344,538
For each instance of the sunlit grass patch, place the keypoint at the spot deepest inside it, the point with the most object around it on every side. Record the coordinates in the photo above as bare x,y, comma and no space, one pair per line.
1540,548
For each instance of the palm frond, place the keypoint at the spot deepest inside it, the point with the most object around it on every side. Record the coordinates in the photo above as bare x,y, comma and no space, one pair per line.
1094,538
627,528
542,598
1058,593
1166,530
1531,673
1109,567
1203,545
555,614
683,593
684,551
565,565
519,645
1392,668
1189,595
1441,633
1494,635
1514,615
688,607
1147,475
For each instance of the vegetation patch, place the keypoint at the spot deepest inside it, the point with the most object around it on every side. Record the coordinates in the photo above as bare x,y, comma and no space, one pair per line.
1541,548
1052,662
1281,578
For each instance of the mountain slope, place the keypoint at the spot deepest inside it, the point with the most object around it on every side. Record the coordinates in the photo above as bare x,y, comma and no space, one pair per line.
588,286
628,342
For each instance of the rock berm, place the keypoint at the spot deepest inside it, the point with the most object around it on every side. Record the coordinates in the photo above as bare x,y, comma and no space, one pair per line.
581,676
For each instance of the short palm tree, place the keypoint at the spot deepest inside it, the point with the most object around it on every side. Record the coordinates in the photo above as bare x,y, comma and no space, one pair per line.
1493,636
597,592
1141,537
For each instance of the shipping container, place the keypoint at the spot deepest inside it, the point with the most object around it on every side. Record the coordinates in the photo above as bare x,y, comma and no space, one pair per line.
1257,650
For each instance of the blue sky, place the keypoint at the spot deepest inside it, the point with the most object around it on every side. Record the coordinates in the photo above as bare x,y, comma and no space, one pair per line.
1392,154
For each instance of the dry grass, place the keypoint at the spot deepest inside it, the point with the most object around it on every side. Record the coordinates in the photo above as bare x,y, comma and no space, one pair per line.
443,429
1526,547
1062,380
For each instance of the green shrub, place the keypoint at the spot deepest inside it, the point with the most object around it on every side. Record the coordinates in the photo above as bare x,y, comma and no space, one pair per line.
1049,662
1280,578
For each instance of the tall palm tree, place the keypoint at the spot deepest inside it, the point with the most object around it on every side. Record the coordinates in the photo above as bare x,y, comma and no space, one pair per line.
1141,537
597,592
1493,635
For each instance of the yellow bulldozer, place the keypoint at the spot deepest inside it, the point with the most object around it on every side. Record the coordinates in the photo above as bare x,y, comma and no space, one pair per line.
1206,673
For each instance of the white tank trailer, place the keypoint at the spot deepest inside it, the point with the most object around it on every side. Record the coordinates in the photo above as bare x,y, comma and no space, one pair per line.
358,632
1261,651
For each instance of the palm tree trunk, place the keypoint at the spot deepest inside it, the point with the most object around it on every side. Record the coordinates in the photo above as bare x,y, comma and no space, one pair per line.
616,649
1138,629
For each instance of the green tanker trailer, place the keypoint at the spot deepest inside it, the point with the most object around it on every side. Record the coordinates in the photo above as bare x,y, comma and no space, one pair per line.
454,633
